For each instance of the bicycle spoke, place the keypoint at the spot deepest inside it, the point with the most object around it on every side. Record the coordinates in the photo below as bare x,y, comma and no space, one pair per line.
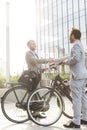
42,106
12,101
15,94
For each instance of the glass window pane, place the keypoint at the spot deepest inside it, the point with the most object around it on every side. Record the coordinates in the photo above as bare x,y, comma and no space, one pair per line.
75,5
81,4
76,23
82,24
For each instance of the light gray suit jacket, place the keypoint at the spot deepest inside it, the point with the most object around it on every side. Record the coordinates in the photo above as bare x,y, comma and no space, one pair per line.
33,61
76,61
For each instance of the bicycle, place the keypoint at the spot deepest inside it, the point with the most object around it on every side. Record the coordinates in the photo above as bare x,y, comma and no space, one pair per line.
13,102
19,104
58,98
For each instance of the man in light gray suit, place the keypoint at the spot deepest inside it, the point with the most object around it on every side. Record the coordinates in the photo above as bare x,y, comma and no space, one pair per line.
76,62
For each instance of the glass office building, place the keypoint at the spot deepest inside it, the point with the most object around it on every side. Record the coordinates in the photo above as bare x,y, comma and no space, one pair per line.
55,19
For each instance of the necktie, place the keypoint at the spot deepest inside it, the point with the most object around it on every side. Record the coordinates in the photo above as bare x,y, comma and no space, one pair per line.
39,65
36,55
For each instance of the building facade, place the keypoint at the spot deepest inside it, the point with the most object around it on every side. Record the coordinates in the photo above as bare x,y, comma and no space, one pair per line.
55,19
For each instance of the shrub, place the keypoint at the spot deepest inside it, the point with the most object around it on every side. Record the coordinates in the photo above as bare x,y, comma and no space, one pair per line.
65,76
2,81
14,78
52,76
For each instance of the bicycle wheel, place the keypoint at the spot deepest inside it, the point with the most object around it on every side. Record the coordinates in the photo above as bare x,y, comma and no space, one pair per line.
13,104
67,106
67,100
45,100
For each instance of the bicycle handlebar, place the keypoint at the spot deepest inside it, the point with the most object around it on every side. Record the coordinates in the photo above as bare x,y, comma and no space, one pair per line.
57,62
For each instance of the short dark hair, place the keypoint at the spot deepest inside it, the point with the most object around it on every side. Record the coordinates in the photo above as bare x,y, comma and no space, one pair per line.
76,33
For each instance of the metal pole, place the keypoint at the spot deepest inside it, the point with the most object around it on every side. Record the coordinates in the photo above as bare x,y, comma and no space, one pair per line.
7,44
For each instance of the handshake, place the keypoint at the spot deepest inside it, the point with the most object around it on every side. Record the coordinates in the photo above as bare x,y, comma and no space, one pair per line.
54,62
51,60
58,61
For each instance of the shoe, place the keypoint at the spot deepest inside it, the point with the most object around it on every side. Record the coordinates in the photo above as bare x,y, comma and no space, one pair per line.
83,122
71,125
39,115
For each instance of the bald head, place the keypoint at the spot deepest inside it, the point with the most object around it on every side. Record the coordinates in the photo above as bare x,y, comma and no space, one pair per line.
31,45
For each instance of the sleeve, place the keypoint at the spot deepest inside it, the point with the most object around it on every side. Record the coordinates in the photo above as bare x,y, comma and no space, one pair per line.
32,60
75,57
60,60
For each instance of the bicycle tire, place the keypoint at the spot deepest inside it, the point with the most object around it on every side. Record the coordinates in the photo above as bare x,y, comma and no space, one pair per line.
10,102
46,96
67,106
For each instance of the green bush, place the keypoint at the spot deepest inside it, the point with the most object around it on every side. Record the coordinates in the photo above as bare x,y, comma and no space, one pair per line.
2,81
14,78
65,76
52,76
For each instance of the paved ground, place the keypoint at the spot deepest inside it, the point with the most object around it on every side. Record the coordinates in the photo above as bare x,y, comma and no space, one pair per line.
29,125
7,125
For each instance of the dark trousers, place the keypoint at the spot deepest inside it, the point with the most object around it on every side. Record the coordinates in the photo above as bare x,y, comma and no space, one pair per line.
36,81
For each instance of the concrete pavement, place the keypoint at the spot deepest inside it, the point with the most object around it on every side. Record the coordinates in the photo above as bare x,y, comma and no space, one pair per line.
29,125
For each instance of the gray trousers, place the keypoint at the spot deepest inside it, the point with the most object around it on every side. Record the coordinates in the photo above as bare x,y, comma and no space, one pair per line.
79,100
